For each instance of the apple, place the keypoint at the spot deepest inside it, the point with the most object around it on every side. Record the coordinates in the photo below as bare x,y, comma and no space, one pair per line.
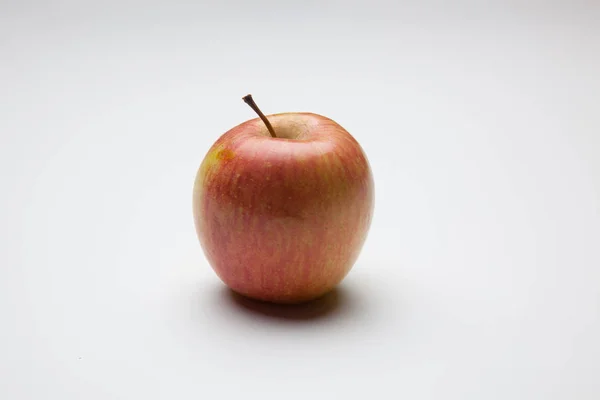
282,206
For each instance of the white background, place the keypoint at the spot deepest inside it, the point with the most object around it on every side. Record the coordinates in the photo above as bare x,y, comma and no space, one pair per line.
481,275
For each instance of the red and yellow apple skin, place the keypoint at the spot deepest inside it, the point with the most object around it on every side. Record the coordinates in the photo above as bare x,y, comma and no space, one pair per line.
284,219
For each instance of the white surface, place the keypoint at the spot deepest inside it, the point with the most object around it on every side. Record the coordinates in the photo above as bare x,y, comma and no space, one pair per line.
481,275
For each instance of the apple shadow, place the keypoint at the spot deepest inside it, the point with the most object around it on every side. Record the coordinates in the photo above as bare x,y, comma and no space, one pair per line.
332,304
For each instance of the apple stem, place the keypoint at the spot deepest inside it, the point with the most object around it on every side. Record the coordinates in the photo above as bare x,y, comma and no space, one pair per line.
250,101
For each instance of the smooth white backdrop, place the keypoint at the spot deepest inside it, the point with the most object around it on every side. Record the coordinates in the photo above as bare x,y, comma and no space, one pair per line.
481,275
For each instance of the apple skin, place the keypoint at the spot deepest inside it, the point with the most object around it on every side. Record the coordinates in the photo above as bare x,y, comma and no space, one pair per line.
284,219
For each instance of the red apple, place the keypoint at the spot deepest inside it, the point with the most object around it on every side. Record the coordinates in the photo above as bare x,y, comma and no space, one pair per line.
282,206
